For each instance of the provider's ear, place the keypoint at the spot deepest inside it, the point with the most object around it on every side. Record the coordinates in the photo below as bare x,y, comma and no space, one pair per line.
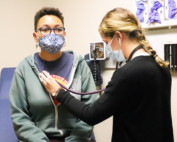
118,34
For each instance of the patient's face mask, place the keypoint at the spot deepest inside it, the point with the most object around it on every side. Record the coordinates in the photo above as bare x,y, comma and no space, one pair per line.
51,43
115,55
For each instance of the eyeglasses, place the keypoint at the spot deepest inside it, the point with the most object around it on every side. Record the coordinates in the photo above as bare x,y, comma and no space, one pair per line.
46,30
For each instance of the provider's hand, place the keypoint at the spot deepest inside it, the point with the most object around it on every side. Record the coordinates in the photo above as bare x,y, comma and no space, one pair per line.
49,83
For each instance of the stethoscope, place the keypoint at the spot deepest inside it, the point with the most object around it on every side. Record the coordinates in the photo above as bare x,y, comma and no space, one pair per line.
94,92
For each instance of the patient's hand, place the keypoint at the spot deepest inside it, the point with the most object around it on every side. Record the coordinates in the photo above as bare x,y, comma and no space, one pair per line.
49,83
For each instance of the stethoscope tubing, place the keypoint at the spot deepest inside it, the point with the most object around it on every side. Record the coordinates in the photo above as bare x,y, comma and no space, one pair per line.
81,93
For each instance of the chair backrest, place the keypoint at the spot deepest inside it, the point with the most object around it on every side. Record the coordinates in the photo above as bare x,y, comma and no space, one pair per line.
7,133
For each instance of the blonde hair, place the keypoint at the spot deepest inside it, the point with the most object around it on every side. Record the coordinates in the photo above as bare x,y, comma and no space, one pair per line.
122,20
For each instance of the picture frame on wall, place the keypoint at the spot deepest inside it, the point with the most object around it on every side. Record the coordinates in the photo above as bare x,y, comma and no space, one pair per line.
156,13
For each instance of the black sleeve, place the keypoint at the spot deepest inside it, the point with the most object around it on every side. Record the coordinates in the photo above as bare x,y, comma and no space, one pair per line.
99,111
112,101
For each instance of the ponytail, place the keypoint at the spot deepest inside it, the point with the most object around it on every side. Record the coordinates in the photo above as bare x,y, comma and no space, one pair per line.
140,37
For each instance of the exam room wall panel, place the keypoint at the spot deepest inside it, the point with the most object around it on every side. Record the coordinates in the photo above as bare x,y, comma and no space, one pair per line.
82,19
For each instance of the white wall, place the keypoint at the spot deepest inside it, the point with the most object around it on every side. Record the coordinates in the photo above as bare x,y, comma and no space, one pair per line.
82,18
16,22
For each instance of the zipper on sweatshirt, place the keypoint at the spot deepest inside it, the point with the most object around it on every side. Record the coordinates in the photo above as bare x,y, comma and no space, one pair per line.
56,116
71,77
56,112
55,107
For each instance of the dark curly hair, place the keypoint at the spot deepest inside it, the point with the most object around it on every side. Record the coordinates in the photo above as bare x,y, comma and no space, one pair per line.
47,11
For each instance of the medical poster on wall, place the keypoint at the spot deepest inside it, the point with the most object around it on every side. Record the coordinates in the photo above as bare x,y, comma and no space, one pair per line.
156,13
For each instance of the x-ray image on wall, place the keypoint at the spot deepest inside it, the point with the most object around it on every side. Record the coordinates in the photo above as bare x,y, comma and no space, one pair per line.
170,9
142,10
156,13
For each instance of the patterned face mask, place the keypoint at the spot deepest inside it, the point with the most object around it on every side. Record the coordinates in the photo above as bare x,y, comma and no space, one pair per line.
51,43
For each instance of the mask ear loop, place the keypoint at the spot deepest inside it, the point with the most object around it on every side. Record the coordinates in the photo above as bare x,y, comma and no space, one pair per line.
112,40
64,42
37,43
119,43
